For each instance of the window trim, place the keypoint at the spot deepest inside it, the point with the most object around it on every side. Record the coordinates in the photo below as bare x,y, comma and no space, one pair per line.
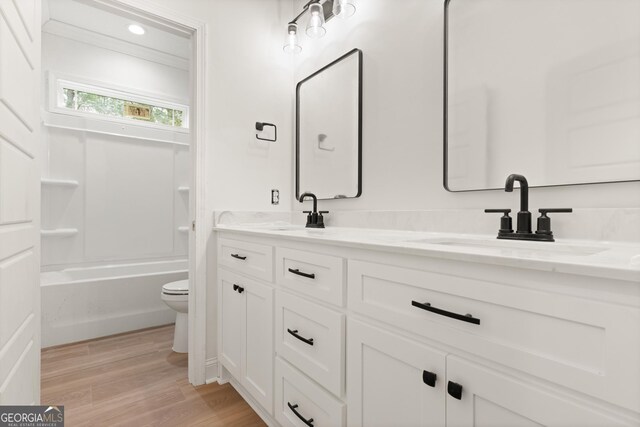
56,101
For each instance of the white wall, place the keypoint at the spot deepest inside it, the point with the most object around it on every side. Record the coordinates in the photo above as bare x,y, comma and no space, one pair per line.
81,59
127,206
403,113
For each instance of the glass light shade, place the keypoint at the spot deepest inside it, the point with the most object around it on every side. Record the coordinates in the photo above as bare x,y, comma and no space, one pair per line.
344,8
315,27
291,45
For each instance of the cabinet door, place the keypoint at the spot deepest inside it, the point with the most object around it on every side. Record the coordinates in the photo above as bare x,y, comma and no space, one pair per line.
257,342
390,380
231,328
490,398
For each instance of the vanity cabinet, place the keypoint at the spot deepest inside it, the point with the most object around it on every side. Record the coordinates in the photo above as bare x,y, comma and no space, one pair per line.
368,336
246,334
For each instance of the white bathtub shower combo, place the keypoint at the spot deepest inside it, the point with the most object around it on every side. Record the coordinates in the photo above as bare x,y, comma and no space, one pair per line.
84,303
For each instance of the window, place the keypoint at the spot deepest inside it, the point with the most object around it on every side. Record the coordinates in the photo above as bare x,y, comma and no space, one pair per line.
110,103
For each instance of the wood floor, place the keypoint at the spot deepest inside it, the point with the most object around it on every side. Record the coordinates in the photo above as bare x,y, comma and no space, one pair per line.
135,380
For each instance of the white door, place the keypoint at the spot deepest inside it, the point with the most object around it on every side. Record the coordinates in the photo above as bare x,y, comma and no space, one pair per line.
257,353
19,202
392,381
483,397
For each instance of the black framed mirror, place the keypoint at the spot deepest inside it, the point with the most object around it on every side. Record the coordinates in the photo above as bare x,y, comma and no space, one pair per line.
545,88
329,130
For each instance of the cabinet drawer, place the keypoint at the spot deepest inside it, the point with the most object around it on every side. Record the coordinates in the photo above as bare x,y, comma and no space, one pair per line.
298,398
312,339
582,344
317,275
249,258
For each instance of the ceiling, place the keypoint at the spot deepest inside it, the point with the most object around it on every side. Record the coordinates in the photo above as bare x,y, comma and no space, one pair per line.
82,16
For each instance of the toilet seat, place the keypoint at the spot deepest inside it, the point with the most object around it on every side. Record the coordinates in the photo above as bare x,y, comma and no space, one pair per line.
180,287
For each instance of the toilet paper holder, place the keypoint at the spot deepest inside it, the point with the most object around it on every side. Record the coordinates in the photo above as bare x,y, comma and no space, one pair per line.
260,127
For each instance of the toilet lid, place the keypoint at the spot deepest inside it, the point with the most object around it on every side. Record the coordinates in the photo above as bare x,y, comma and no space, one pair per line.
181,287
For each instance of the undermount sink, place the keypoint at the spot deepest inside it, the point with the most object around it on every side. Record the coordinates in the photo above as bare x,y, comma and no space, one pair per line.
538,247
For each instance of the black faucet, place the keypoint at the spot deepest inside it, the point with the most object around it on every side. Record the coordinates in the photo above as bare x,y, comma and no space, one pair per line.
523,230
314,218
524,216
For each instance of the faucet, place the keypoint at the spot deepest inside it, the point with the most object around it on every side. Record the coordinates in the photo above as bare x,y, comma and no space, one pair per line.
524,216
314,218
523,230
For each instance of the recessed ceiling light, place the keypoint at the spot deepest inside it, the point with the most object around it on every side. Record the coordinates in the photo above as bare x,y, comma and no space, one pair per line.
136,29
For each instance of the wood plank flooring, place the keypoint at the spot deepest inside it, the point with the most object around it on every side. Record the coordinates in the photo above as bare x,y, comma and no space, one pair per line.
135,379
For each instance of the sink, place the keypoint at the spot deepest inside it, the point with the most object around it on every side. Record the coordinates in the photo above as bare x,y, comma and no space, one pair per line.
520,246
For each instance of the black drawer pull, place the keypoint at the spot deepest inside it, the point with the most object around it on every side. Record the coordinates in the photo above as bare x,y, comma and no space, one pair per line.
303,339
429,378
464,317
300,273
454,390
237,256
238,289
293,408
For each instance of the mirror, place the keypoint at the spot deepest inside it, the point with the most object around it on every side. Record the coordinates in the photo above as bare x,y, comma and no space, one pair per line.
329,130
545,88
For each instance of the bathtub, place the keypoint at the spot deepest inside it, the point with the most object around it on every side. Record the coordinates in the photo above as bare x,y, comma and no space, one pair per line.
91,302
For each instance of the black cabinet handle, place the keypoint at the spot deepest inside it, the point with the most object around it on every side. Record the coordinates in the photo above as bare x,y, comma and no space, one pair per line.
237,256
300,273
238,289
463,317
454,390
293,408
429,378
301,338
235,287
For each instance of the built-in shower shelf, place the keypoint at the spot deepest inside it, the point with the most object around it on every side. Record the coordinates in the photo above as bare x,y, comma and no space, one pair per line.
183,229
59,182
183,189
59,232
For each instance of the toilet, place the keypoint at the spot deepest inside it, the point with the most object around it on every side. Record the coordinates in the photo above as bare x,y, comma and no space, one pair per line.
176,296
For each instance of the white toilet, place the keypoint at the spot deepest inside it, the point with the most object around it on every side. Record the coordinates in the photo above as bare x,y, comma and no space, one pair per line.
176,296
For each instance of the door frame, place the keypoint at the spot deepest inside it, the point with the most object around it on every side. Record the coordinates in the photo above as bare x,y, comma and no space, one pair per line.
197,211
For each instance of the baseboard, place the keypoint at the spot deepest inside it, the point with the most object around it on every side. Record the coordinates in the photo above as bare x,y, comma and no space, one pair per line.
211,370
268,419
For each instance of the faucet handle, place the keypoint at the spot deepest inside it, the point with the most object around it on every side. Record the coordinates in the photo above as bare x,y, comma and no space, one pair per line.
545,211
506,224
323,212
307,212
544,222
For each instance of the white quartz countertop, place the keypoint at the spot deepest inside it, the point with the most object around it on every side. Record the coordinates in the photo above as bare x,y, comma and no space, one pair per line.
611,260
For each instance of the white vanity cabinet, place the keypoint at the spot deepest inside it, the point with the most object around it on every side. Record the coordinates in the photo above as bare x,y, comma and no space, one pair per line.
373,336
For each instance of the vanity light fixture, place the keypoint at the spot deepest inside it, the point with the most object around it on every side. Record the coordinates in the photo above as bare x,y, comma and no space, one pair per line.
136,29
315,27
320,12
291,44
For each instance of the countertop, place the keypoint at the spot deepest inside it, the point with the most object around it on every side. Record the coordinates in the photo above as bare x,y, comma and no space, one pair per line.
612,260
